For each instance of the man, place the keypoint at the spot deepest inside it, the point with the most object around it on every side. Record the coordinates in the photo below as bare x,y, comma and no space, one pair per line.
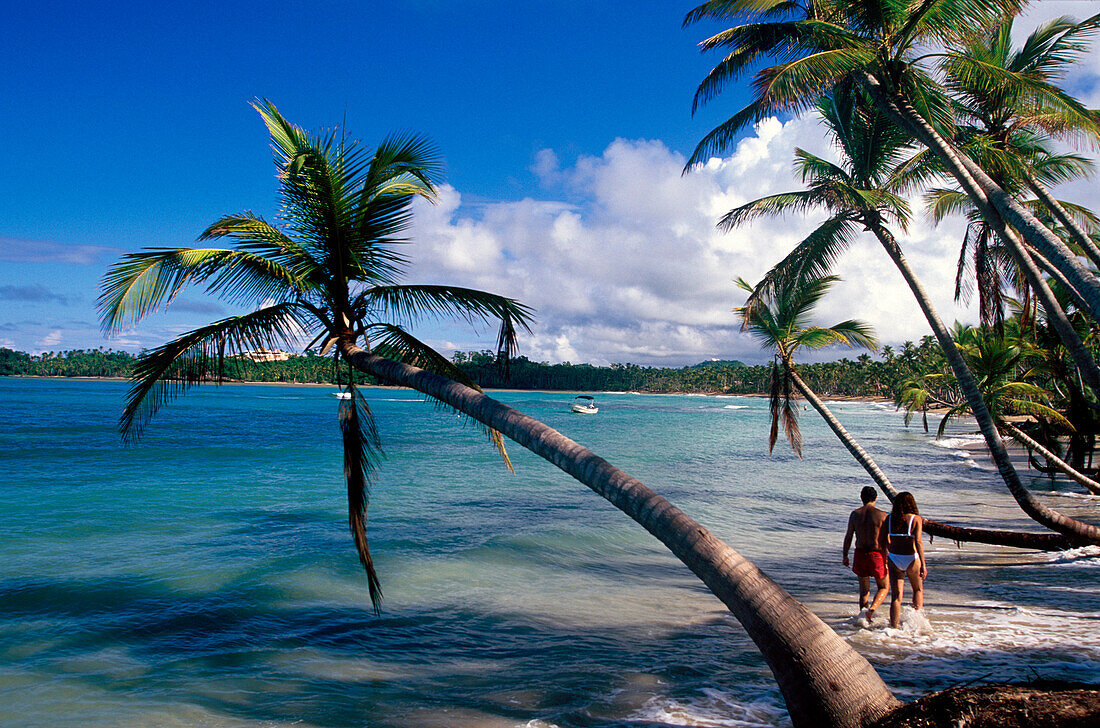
865,524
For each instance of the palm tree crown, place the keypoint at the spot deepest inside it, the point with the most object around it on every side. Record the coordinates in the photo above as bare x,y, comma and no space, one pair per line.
331,275
781,323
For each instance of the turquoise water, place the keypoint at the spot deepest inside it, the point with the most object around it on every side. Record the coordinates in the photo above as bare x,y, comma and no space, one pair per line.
206,576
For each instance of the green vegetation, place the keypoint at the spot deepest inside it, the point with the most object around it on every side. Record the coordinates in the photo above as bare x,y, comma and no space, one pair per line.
781,324
75,363
861,377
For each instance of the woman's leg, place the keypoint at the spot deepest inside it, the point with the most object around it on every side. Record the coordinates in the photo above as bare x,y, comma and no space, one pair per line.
913,573
897,584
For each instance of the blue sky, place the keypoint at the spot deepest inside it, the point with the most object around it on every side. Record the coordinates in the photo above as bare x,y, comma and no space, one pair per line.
563,126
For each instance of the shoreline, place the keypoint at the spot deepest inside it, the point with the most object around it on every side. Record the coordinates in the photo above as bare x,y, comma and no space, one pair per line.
829,398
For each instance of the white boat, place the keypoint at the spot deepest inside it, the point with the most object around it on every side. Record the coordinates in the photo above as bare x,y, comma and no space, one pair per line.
341,395
584,405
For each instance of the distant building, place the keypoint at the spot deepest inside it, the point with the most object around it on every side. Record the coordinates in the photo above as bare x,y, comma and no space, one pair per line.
266,355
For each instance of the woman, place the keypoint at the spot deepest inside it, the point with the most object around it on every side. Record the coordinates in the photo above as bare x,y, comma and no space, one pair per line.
900,538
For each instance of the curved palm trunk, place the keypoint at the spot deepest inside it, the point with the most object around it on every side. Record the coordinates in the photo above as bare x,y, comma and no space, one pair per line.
1056,315
1062,215
983,192
824,681
1077,531
1065,468
991,200
1056,274
997,537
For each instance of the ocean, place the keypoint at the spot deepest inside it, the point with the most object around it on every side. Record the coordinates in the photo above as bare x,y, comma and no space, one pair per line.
206,576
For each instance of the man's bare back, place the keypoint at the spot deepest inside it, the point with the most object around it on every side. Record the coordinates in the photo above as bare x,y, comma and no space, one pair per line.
866,522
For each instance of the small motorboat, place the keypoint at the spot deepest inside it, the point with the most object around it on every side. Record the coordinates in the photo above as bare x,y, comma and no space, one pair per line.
584,405
341,395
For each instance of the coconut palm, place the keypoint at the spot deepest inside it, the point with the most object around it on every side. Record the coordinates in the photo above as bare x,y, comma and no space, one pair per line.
865,190
1004,380
990,82
333,273
1004,126
874,44
781,323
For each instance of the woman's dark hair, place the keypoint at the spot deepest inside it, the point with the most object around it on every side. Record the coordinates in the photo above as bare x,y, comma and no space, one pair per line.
903,503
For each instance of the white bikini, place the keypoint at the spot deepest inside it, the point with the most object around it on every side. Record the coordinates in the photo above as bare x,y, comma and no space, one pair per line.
901,561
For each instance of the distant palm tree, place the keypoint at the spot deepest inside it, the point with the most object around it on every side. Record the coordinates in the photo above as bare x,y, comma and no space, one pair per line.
1004,381
781,323
333,273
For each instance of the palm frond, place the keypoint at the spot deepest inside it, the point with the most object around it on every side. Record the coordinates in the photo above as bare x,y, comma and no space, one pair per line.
723,135
362,451
850,333
795,85
409,302
164,373
789,413
758,319
952,21
775,404
942,203
987,77
1061,168
393,342
1040,410
779,204
813,257
1056,45
258,236
142,283
753,41
957,411
915,173
726,9
813,167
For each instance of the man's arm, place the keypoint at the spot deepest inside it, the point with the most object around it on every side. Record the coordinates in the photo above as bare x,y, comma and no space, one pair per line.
848,536
880,534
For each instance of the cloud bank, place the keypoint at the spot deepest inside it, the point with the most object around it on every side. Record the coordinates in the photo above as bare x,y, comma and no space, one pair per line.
623,262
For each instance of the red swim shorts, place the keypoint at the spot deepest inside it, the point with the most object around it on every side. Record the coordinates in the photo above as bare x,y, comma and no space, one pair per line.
869,563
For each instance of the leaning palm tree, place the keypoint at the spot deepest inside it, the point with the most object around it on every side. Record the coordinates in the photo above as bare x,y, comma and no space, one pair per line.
880,45
781,323
991,83
333,274
866,190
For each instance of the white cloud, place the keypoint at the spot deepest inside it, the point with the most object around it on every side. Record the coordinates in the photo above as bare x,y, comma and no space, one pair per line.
626,264
633,268
49,341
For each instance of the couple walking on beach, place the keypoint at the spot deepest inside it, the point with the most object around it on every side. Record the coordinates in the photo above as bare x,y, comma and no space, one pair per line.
887,542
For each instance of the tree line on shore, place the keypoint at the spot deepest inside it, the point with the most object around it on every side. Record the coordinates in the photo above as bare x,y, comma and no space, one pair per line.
859,377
